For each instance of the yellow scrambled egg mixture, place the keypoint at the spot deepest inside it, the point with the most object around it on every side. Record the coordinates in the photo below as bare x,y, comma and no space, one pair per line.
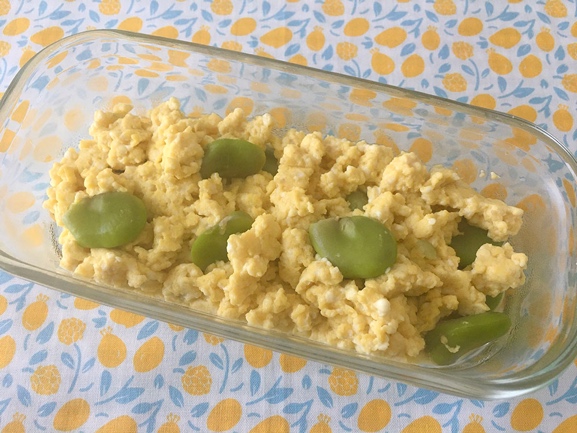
273,278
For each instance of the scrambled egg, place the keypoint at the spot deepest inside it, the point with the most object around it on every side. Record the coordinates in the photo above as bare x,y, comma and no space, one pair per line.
273,278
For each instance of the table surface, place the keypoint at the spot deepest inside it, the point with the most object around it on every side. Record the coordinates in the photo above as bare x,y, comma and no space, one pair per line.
516,56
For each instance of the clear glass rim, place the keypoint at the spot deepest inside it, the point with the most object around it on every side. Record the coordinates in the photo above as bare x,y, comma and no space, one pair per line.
436,379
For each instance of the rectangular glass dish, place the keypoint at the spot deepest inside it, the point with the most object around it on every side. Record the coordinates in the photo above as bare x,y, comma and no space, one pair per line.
49,107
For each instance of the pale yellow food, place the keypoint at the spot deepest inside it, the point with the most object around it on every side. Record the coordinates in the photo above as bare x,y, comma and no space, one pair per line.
274,279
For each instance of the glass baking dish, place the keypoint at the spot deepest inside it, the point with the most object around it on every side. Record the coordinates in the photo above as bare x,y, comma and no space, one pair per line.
50,104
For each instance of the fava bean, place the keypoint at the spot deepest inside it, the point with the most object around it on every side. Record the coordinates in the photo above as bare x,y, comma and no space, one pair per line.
106,220
271,163
467,243
453,338
232,157
210,246
357,199
359,246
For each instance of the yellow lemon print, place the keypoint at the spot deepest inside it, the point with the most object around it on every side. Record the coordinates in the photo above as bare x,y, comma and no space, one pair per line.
562,119
27,54
71,330
202,36
16,27
166,32
494,190
171,424
391,37
243,26
4,48
19,114
424,424
569,82
343,381
431,39
232,45
374,416
197,380
175,328
423,148
225,415
7,350
545,40
257,356
298,59
322,426
445,7
280,116
527,415
3,304
246,104
347,50
462,50
413,66
72,415
85,304
356,27
499,63
484,100
316,39
350,131
111,350
333,8
212,339
19,202
567,426
278,37
109,7
16,425
556,8
125,318
4,7
259,51
47,36
384,139
470,26
570,190
45,380
132,24
291,364
362,96
381,63
572,50
505,38
524,111
455,82
123,423
574,29
530,66
466,169
149,355
275,423
222,7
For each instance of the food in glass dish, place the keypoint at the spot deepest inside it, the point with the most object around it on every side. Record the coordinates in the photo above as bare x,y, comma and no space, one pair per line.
346,243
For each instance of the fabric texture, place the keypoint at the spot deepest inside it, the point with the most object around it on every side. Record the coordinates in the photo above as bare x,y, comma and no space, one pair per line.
67,364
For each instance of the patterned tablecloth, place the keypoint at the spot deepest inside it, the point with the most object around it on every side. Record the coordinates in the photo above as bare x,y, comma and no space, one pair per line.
56,371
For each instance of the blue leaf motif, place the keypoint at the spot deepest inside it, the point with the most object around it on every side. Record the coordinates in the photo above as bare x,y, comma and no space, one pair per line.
142,85
38,357
562,69
225,23
325,397
88,365
523,50
206,15
4,404
254,382
307,382
42,7
377,8
199,410
349,410
327,53
200,94
319,17
395,15
216,361
5,325
424,396
46,334
445,67
46,409
450,24
467,70
176,396
292,49
7,381
25,177
158,381
5,277
141,408
276,395
444,53
508,16
560,53
561,93
67,360
191,336
237,365
153,7
501,410
105,382
265,8
478,403
24,396
553,386
283,15
187,358
442,408
440,92
543,17
128,394
408,49
147,330
94,16
432,16
170,15
489,8
337,24
293,408
502,84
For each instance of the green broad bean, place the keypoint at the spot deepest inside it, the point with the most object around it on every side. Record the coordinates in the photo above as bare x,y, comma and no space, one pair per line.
359,246
107,220
271,163
232,157
453,338
467,243
357,199
210,246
